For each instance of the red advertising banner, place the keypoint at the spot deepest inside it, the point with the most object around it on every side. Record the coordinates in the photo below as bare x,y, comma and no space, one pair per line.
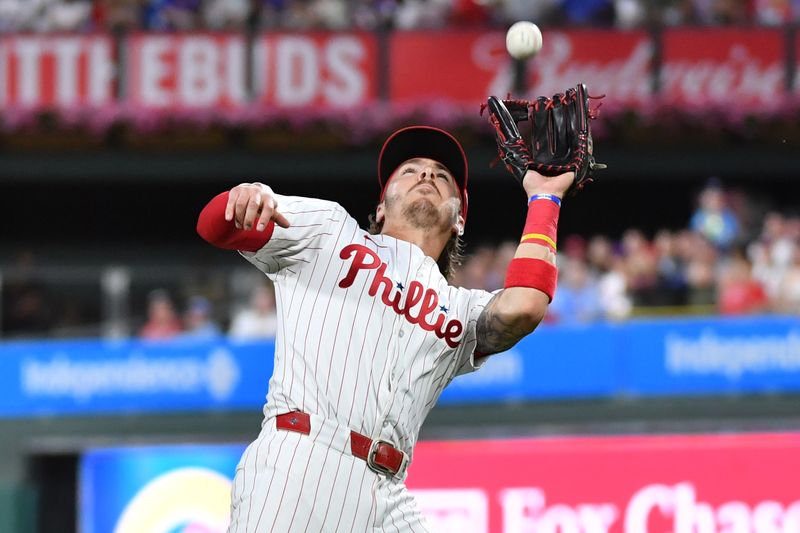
666,484
323,70
56,71
333,71
722,66
615,63
461,67
466,67
183,71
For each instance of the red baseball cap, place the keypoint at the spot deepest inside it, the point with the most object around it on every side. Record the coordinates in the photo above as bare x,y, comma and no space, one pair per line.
424,141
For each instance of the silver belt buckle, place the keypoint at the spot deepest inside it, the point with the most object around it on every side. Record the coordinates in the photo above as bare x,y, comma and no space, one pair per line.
373,451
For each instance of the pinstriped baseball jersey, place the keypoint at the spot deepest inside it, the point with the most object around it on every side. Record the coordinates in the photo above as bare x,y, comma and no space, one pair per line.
369,334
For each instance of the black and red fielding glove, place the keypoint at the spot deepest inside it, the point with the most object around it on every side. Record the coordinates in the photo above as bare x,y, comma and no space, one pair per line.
561,136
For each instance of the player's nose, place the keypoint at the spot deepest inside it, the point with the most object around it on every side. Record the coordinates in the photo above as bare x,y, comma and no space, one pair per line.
426,173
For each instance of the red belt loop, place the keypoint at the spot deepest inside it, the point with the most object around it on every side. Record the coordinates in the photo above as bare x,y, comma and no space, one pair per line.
381,456
294,421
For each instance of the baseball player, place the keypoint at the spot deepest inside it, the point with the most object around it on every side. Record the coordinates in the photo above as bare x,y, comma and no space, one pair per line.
370,331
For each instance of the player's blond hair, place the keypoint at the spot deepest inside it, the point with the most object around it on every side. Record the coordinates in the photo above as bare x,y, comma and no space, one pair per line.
451,257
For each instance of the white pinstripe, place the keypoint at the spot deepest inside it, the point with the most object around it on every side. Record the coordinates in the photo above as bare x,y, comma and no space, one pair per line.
352,360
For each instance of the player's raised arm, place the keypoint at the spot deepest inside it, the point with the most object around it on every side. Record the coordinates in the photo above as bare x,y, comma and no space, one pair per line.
272,231
242,218
561,161
530,284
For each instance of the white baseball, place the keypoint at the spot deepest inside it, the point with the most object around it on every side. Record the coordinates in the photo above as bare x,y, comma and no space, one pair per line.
523,40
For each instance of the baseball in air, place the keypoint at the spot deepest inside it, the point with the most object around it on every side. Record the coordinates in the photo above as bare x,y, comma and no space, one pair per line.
523,40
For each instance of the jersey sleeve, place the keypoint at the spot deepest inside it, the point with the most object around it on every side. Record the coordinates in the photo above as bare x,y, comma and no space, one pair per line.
470,305
313,223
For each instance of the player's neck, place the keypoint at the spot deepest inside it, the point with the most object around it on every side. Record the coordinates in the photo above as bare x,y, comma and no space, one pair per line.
430,241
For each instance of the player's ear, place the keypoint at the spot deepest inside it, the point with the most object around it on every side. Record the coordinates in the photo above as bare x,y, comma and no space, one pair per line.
458,227
380,213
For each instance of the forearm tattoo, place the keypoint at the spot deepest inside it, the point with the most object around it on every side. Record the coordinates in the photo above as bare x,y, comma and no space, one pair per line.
495,332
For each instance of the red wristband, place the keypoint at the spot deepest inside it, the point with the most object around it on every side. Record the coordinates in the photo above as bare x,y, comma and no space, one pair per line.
212,226
532,273
541,225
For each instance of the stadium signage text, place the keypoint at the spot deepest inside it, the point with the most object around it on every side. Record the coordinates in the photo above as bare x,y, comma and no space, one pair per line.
219,72
209,71
705,483
56,71
629,484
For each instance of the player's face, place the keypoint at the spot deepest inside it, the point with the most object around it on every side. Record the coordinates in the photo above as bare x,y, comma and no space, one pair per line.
426,177
424,190
423,177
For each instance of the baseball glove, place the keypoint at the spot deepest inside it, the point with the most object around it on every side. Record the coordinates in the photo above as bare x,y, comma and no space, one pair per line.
561,137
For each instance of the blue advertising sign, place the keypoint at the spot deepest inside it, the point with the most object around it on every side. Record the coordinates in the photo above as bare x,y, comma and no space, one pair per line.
637,358
554,362
158,489
749,355
641,358
80,377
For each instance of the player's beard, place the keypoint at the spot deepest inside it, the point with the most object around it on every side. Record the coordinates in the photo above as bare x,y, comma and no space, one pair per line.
422,213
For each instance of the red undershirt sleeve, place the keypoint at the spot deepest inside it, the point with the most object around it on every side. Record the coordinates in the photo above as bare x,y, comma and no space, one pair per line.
212,226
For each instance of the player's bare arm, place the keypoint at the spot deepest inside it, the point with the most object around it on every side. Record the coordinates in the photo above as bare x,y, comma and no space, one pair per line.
515,312
500,328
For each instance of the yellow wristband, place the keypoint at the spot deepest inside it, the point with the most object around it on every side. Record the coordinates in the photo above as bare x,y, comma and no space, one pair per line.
539,236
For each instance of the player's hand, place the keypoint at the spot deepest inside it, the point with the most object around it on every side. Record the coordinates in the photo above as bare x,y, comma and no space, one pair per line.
253,205
535,183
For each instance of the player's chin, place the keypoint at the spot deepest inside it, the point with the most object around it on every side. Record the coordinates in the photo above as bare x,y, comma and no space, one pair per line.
422,211
423,203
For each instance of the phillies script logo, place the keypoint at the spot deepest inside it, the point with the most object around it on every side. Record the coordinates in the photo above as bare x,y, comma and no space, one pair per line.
401,302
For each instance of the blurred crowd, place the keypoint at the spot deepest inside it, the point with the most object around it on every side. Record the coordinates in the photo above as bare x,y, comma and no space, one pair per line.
735,257
732,259
256,320
53,302
181,15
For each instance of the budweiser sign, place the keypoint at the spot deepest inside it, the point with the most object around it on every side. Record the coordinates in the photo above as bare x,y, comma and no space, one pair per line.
658,484
466,67
723,66
698,67
617,64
